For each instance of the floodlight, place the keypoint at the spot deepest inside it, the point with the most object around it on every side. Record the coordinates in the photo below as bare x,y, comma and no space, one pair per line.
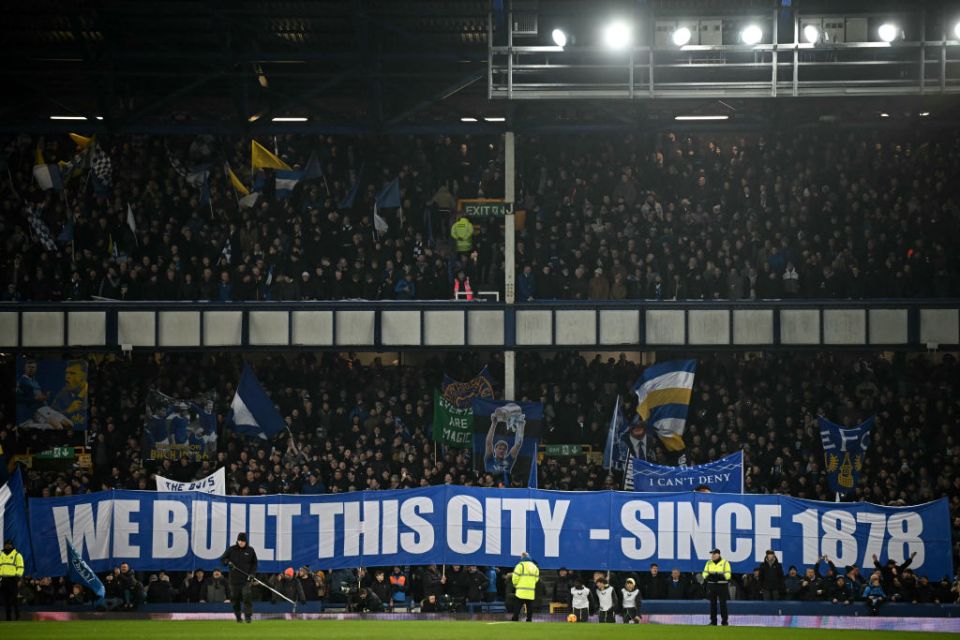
617,35
559,37
811,34
888,32
956,30
751,35
681,36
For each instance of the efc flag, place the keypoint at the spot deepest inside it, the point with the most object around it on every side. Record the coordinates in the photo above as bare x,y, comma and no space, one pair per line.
13,518
448,524
663,397
79,572
505,439
180,427
51,394
721,476
843,452
252,412
451,426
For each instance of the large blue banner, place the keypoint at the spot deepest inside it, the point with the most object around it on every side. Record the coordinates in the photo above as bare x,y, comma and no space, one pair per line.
13,517
51,394
720,476
471,525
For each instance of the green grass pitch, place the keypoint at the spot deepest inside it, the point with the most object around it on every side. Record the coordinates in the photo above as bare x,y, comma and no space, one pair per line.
394,629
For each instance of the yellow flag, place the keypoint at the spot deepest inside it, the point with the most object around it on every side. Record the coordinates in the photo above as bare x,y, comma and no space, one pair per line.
260,158
235,181
82,142
38,157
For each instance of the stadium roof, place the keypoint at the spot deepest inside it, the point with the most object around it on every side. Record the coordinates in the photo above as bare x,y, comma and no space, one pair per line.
349,65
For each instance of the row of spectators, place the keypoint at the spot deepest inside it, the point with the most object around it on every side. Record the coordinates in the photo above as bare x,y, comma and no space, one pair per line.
433,588
856,215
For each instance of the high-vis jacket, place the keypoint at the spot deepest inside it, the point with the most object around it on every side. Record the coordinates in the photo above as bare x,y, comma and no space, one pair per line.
525,577
11,564
721,567
462,233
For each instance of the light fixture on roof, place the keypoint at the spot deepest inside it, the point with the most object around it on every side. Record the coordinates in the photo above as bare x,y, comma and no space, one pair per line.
888,32
617,35
289,119
752,34
924,114
468,119
956,30
703,118
682,36
559,37
69,117
811,34
494,119
884,114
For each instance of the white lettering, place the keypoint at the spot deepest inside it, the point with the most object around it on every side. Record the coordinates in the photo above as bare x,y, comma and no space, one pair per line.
123,528
85,531
552,525
208,534
421,538
764,531
665,529
644,544
730,548
170,538
389,526
326,513
493,526
518,508
284,514
697,529
455,519
258,531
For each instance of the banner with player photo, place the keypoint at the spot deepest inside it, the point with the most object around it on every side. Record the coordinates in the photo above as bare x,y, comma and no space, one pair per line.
180,427
505,439
51,394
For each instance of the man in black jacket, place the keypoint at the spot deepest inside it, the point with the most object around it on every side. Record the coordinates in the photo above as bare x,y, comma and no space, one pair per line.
771,577
242,560
654,584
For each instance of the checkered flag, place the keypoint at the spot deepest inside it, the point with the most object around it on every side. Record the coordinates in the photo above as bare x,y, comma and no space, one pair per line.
102,166
38,228
226,253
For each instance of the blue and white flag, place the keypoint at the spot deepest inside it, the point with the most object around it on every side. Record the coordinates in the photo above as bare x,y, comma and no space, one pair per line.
720,476
79,572
351,197
252,412
286,181
843,452
615,455
506,435
48,176
663,397
13,518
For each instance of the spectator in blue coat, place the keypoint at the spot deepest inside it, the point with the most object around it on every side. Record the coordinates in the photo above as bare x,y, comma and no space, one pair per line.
874,595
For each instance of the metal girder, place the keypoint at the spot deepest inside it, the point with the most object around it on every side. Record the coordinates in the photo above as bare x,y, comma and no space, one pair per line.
439,96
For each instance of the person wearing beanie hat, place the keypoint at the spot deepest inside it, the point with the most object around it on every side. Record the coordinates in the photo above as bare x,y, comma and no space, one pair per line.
242,561
630,602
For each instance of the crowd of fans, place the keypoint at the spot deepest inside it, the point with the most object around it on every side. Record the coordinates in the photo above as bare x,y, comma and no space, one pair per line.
854,215
367,425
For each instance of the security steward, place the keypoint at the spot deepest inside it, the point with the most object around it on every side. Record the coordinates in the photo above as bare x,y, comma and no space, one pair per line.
716,576
525,577
11,570
242,560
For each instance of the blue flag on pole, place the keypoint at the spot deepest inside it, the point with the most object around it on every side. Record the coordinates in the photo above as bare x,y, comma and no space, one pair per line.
350,198
314,169
286,182
13,518
614,454
843,452
252,412
389,198
79,572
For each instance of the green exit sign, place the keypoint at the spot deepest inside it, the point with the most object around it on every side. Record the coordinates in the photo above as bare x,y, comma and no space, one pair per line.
485,208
